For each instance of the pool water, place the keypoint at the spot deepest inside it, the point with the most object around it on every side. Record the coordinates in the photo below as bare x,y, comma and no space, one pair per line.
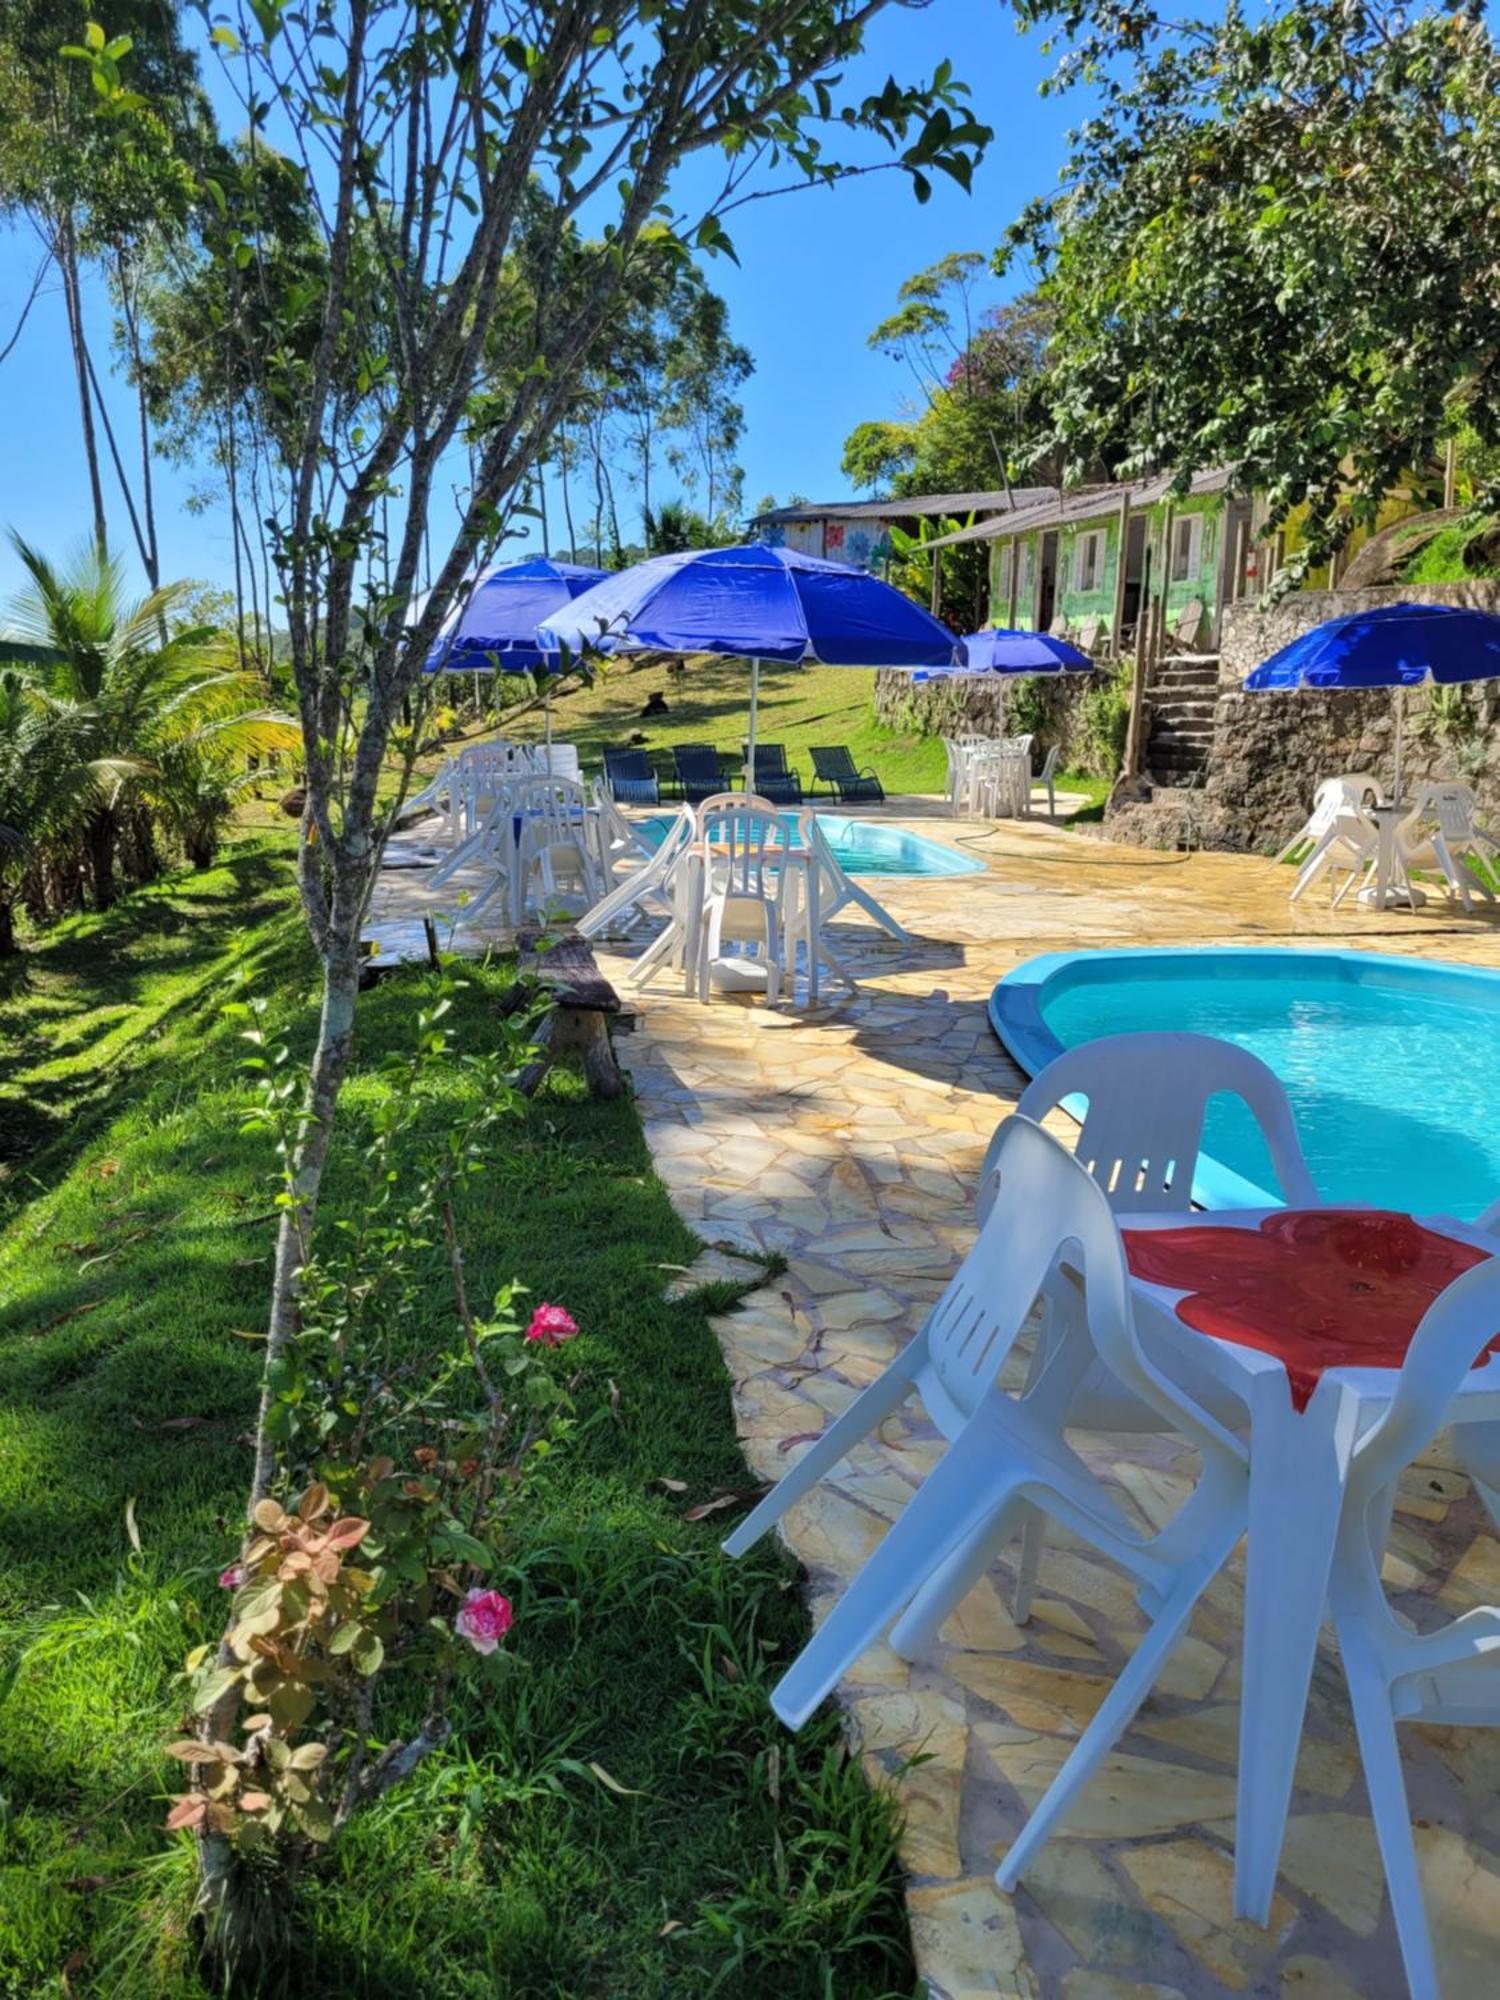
1389,1063
868,847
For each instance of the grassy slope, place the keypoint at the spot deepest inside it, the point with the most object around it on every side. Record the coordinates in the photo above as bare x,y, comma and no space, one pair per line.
506,1867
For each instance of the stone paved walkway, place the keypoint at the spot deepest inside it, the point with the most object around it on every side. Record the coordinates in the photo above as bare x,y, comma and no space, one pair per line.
849,1141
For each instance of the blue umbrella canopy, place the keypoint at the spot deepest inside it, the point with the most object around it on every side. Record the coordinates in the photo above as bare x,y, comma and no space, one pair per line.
1002,651
1397,646
493,629
1400,645
756,603
759,603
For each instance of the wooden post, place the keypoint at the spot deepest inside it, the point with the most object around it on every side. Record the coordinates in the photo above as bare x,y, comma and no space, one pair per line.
1135,728
1015,582
1450,474
1122,557
937,582
1221,572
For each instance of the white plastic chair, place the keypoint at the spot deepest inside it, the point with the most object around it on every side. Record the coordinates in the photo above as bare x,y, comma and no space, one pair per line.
1144,1099
555,853
1442,834
1450,1675
1047,776
741,836
560,761
1336,835
1010,1452
652,890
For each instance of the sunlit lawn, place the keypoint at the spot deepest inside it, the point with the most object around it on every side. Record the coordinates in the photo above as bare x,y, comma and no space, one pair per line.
617,1813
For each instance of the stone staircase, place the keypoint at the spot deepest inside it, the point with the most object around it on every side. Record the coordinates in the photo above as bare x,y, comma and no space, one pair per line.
1182,695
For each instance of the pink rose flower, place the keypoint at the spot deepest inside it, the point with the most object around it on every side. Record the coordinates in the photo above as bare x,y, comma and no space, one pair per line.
484,1619
551,1325
231,1578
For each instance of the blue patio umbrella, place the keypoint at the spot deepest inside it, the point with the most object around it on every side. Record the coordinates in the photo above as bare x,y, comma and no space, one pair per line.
757,603
1397,646
493,628
1002,651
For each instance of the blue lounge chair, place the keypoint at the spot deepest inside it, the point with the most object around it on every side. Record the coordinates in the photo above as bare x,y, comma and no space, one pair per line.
629,778
771,777
699,771
834,767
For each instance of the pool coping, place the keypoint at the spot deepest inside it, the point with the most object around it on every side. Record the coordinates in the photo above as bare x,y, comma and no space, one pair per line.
1015,1014
962,864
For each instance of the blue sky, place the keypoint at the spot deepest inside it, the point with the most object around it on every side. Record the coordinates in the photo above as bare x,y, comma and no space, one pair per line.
817,271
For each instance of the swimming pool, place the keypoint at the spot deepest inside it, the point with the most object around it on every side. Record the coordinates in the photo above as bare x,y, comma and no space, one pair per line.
1389,1062
869,847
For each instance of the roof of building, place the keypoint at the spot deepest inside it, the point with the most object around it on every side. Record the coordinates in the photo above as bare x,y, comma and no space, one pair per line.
916,504
1085,503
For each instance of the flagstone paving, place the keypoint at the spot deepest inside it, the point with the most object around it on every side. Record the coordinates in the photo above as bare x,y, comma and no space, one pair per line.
848,1140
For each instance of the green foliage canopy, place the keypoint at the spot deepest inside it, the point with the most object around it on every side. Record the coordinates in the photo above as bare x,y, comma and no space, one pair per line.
1274,246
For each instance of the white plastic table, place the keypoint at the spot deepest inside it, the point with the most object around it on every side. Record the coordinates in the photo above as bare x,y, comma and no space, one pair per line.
1299,1461
1392,883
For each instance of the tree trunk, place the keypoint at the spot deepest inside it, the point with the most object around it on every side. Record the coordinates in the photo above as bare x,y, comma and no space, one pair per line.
8,945
99,834
66,251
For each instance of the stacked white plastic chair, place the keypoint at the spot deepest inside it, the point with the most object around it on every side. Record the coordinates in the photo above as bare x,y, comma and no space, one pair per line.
1008,1454
556,847
1442,835
742,837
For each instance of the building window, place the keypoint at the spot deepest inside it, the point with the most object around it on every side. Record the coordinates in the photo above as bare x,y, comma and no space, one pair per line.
1187,549
1090,560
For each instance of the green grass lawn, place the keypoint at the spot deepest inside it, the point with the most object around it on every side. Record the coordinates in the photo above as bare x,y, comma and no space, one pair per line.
733,1860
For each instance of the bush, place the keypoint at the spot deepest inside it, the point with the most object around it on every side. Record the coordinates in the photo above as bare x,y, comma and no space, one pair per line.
1103,717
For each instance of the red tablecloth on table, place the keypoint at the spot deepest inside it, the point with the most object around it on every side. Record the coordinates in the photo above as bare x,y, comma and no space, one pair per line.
1319,1288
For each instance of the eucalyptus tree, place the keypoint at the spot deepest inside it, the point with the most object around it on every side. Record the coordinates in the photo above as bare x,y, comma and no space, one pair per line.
1273,246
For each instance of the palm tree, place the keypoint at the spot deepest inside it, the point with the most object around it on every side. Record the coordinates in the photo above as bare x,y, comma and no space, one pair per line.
137,694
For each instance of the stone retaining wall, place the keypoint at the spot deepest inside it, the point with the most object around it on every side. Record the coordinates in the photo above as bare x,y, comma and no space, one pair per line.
998,705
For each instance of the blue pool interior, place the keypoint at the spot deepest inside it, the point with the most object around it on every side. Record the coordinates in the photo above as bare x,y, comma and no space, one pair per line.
1389,1063
869,847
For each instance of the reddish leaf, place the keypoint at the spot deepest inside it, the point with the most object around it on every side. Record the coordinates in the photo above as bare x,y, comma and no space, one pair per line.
187,1812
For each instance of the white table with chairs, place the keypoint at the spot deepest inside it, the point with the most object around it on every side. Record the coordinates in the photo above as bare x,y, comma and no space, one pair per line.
1160,1318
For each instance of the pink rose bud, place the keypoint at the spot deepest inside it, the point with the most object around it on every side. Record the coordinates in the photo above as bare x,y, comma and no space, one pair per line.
231,1578
484,1618
551,1325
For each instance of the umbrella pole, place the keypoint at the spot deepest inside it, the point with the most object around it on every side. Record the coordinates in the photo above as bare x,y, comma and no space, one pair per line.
750,745
1400,726
547,721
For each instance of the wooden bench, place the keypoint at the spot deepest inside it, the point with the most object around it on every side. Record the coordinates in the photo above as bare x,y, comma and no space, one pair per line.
585,1008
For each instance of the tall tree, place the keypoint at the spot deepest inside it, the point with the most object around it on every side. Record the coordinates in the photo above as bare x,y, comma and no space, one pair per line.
1274,246
99,171
443,139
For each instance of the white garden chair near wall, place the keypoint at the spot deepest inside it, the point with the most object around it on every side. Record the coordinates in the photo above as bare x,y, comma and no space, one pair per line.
1338,837
1442,835
1047,776
1006,1447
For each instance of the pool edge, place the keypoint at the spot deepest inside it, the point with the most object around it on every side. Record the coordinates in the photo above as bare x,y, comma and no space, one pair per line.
1016,1019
